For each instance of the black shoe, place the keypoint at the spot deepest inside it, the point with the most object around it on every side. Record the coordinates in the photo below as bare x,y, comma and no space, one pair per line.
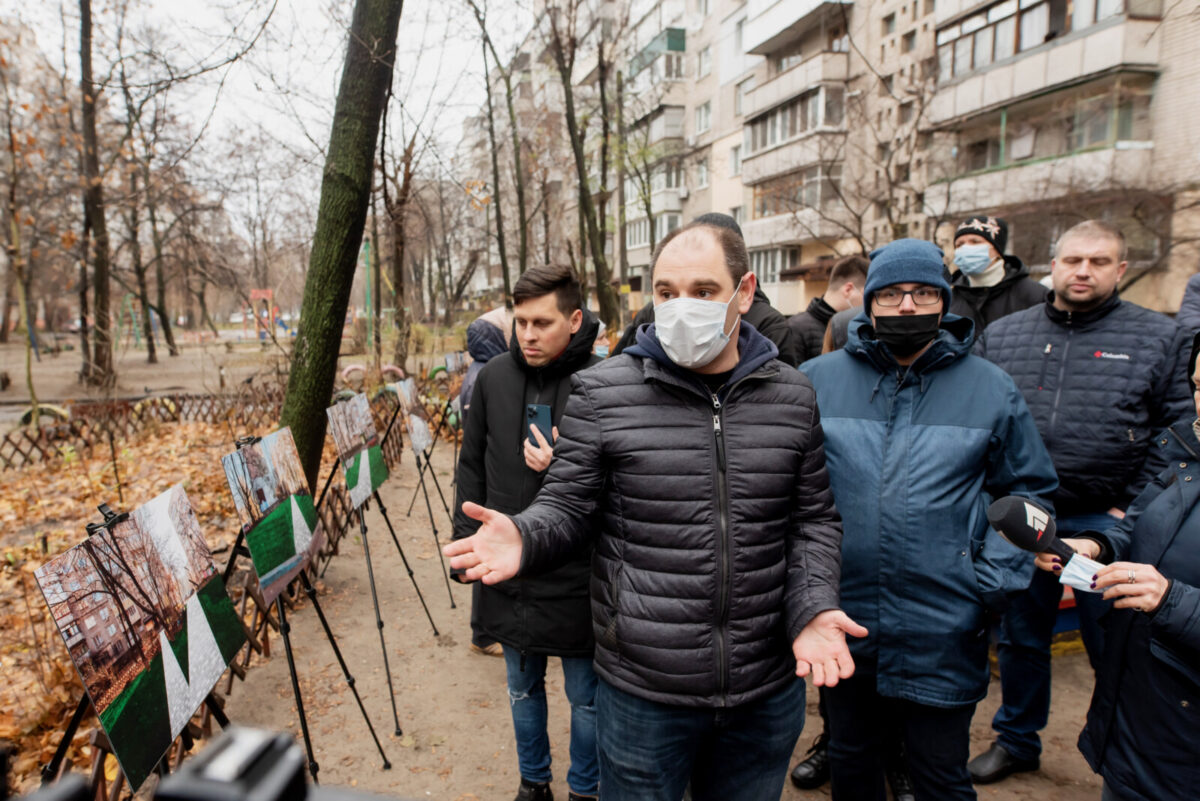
996,763
528,791
573,796
901,784
813,771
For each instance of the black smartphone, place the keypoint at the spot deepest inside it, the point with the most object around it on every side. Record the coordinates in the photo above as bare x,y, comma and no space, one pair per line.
538,414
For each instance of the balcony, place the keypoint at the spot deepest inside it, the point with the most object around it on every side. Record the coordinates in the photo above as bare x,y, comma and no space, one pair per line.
1124,164
822,145
804,225
1118,44
795,81
772,24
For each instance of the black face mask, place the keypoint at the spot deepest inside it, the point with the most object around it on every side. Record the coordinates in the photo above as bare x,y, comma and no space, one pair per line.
905,334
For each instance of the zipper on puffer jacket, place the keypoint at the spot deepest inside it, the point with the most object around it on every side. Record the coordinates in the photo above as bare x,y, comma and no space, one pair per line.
1062,376
723,556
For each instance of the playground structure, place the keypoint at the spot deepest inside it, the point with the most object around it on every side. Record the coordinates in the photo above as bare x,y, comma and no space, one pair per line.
264,314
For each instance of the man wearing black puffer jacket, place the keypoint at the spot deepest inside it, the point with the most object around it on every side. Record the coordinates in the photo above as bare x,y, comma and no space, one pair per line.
547,614
1102,377
695,464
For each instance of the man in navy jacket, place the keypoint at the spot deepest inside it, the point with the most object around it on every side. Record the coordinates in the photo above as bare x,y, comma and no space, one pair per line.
920,436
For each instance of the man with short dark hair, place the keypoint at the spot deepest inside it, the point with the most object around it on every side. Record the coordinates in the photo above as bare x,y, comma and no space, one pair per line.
989,284
846,279
694,462
1102,377
920,436
502,465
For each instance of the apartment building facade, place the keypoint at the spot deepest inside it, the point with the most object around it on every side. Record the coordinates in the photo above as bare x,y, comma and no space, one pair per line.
828,127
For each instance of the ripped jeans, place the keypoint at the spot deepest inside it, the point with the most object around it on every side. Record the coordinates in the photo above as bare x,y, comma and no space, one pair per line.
527,697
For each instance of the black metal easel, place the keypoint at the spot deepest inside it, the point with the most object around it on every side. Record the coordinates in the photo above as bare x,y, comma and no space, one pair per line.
285,632
424,464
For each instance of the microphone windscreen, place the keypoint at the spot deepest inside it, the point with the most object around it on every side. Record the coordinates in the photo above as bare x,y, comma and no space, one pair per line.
1026,525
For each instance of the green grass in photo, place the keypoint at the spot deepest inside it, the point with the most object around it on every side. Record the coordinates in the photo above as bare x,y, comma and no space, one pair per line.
270,539
222,617
379,471
352,470
304,503
138,724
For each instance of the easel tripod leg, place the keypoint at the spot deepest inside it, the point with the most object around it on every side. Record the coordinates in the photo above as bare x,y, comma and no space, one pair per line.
436,542
285,632
403,558
311,592
362,527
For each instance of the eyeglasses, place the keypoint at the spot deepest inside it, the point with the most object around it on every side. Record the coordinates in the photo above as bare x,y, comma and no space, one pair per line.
894,296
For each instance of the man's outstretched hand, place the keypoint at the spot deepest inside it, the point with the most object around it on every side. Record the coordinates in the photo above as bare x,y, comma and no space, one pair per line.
493,553
821,648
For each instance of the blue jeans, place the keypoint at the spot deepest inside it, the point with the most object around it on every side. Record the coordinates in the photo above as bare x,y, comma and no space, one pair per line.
650,751
1024,648
527,697
863,726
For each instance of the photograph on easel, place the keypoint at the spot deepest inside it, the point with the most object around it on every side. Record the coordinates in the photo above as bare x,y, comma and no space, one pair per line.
416,420
358,446
276,509
148,624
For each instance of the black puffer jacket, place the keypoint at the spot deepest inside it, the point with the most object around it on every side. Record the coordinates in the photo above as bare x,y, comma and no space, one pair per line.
808,329
547,613
1100,385
718,539
985,305
765,318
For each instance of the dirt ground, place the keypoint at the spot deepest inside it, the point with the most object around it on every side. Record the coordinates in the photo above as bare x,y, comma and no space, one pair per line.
457,742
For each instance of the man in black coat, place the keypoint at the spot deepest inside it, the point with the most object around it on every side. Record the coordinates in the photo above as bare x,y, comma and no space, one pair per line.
989,285
695,464
846,279
499,466
1102,377
765,318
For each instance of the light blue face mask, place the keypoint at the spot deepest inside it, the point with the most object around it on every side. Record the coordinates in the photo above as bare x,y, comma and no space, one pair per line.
602,351
972,259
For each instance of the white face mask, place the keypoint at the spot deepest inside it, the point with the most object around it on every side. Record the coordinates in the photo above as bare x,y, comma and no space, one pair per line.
692,331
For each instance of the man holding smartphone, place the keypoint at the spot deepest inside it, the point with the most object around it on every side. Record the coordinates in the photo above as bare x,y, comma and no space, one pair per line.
694,463
507,446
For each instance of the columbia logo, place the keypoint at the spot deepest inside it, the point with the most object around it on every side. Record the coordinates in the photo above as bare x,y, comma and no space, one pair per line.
1103,354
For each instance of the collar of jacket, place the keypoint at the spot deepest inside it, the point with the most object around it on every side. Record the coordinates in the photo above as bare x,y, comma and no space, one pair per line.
576,356
953,341
1014,270
820,310
1075,318
754,351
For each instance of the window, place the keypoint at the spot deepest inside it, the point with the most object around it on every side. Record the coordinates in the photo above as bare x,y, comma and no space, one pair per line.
908,42
735,160
665,224
738,213
739,96
702,174
811,187
668,175
767,264
637,234
839,40
703,116
702,7
788,58
907,112
886,85
672,66
104,614
797,117
89,622
738,34
889,24
112,628
1008,27
704,62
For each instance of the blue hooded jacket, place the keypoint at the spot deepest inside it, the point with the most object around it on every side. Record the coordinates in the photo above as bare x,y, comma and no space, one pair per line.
915,457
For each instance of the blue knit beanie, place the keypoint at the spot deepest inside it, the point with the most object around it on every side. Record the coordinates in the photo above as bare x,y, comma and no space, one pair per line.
906,261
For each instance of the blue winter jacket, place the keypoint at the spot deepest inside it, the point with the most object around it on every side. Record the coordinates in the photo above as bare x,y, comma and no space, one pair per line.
1143,727
915,457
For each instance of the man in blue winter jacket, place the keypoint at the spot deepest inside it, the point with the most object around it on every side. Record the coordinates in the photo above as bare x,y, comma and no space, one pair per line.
920,437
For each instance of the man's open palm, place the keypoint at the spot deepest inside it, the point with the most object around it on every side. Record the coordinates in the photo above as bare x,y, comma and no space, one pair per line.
493,553
821,648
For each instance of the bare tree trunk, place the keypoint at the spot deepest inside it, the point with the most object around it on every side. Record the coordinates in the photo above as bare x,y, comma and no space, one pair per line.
139,268
377,289
564,60
496,193
622,152
93,205
341,216
160,306
545,219
6,312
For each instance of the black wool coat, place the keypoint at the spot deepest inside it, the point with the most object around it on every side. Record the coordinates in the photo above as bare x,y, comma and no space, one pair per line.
547,613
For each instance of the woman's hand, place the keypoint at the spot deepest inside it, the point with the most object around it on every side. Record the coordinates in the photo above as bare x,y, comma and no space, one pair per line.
1132,586
1052,564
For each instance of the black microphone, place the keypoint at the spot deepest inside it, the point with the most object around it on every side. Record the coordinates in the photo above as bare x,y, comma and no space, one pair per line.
1027,526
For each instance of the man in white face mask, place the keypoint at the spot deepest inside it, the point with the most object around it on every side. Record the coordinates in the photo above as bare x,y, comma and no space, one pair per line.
694,462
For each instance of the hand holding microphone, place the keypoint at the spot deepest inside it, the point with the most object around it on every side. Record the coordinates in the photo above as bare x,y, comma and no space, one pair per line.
1031,528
